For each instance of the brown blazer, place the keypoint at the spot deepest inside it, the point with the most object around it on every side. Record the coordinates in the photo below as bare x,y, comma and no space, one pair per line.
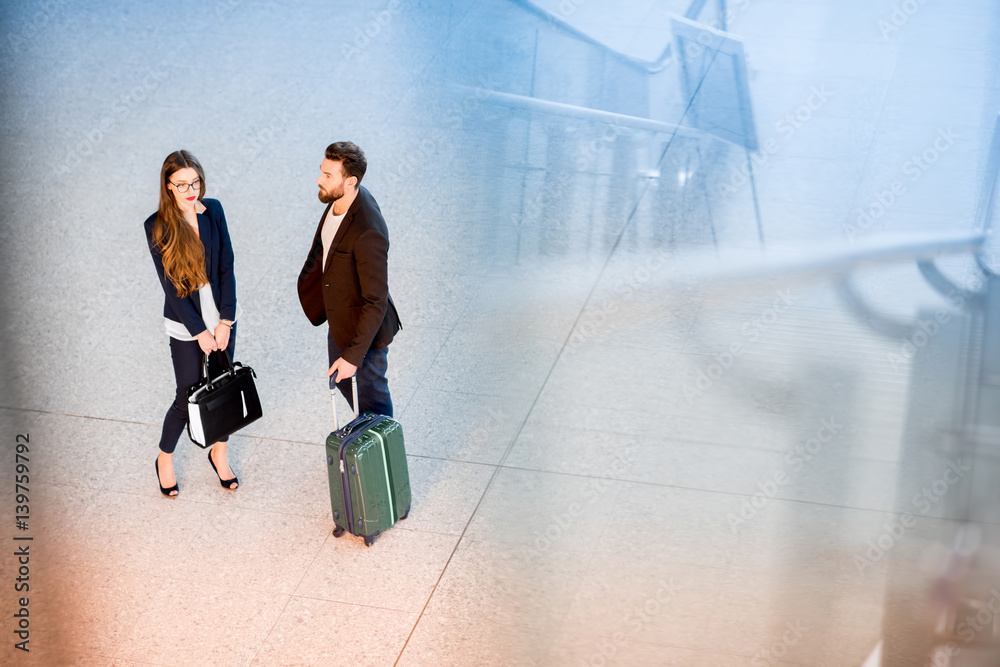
352,291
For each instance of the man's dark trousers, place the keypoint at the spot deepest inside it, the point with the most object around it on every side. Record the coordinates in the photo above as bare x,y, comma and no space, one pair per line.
373,387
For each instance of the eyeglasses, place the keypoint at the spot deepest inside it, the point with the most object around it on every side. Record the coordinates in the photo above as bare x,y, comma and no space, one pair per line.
183,187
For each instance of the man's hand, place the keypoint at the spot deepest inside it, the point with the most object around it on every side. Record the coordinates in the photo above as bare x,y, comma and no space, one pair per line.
343,370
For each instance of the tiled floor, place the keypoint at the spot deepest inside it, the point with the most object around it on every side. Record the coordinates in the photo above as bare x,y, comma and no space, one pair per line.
595,481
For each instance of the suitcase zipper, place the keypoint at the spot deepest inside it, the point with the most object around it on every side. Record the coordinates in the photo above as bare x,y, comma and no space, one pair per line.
345,481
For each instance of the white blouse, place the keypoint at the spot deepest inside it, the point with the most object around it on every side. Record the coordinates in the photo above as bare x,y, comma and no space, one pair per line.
209,314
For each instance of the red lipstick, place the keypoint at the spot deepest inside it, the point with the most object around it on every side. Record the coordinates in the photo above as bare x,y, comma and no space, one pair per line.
190,198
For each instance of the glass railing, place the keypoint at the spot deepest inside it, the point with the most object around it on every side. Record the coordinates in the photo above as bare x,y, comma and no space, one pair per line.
584,143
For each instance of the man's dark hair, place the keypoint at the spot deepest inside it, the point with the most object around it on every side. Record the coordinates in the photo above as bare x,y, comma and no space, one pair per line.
351,158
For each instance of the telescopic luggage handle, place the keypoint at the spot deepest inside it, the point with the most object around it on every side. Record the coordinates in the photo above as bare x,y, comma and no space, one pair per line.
333,398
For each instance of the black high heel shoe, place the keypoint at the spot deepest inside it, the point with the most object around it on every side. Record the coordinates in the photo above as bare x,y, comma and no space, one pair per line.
165,492
226,483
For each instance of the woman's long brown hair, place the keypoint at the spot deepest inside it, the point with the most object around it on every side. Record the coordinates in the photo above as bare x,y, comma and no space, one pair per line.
179,245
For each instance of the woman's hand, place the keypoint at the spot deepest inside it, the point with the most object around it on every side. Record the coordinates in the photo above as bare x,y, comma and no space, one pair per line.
207,341
222,336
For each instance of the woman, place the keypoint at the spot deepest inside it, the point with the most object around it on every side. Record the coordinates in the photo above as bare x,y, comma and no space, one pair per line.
189,242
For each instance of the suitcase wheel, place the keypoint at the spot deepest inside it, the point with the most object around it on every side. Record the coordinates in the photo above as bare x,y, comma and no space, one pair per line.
338,531
369,540
406,513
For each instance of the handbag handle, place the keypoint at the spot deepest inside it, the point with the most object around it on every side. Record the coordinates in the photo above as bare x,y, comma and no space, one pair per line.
204,365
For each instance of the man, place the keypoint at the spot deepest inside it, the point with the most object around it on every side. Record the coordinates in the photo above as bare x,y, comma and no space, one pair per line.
345,280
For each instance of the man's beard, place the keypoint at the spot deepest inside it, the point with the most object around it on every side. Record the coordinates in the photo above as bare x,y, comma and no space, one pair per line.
328,197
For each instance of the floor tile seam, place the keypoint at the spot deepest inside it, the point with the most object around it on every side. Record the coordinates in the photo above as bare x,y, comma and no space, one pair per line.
687,415
779,356
734,494
846,338
640,195
150,424
591,554
528,168
467,393
739,448
353,604
267,635
541,389
449,460
458,542
202,520
424,531
596,282
74,415
882,379
90,654
713,651
693,354
451,332
474,619
246,464
604,550
148,495
662,485
801,342
225,504
138,662
520,339
236,504
404,262
815,319
433,328
206,582
267,272
422,270
228,503
472,515
728,653
641,192
430,327
797,314
274,439
707,619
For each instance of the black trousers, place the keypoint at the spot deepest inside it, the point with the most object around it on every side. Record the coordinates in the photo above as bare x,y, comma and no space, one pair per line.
188,358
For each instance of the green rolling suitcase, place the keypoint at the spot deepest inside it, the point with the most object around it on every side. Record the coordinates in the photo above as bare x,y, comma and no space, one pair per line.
369,479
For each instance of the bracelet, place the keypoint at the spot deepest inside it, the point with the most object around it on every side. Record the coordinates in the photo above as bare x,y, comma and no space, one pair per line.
228,324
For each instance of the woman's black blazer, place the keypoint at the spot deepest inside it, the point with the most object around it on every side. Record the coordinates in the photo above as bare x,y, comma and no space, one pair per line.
214,236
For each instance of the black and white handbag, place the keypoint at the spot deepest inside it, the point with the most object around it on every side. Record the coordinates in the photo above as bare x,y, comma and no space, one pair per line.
220,406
